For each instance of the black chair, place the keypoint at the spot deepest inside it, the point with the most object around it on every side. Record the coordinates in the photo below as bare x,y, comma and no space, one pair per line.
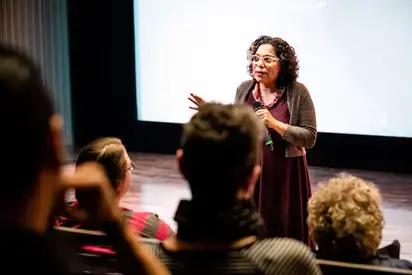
91,262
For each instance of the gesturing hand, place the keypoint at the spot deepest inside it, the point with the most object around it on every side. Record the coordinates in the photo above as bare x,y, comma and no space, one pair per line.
266,117
197,100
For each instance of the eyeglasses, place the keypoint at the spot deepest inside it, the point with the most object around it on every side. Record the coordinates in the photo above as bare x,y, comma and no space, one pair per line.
267,59
132,166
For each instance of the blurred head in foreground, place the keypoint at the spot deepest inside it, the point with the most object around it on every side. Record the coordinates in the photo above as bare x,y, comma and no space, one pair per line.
32,142
219,155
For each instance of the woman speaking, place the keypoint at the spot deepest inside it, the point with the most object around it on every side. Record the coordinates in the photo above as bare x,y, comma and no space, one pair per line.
288,112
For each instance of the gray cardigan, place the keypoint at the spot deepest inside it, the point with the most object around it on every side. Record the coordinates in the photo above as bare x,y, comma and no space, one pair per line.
301,132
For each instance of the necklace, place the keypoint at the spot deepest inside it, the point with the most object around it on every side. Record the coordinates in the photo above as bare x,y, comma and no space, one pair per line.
258,96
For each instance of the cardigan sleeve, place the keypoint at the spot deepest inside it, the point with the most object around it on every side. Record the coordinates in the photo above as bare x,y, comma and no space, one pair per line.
305,132
241,91
237,95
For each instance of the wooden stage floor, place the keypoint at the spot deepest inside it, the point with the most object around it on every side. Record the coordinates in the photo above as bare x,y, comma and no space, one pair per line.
158,187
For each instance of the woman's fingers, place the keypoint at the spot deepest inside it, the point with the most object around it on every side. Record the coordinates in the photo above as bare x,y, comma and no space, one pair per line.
198,99
193,101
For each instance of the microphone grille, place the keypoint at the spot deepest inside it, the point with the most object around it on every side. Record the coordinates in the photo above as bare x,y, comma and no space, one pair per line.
257,105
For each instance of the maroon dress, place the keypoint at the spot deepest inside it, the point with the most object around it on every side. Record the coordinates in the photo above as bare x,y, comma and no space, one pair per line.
283,191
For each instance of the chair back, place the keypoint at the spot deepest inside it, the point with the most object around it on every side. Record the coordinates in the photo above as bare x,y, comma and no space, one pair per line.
342,268
93,261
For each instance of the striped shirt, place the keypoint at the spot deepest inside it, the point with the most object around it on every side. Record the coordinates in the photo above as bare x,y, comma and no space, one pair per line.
148,225
144,224
268,256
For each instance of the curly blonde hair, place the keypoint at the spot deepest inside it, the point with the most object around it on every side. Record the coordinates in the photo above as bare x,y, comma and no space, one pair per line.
344,217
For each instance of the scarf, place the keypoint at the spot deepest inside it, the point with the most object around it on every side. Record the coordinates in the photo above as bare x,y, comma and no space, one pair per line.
198,222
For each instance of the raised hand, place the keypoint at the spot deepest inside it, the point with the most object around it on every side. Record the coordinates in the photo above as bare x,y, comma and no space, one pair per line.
101,206
197,100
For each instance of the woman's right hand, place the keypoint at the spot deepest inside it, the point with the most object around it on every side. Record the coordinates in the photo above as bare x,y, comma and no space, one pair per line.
197,100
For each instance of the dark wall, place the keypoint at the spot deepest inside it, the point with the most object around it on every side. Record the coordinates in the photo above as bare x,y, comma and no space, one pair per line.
104,99
102,68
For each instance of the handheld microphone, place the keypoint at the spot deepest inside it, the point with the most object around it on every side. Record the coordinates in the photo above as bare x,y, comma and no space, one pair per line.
268,140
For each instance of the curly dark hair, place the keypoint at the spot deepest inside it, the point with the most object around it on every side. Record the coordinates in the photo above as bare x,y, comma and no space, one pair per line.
289,64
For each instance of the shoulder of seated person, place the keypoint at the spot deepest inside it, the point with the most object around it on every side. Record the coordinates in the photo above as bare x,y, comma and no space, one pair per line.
279,250
394,263
405,264
284,244
147,218
138,214
283,256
